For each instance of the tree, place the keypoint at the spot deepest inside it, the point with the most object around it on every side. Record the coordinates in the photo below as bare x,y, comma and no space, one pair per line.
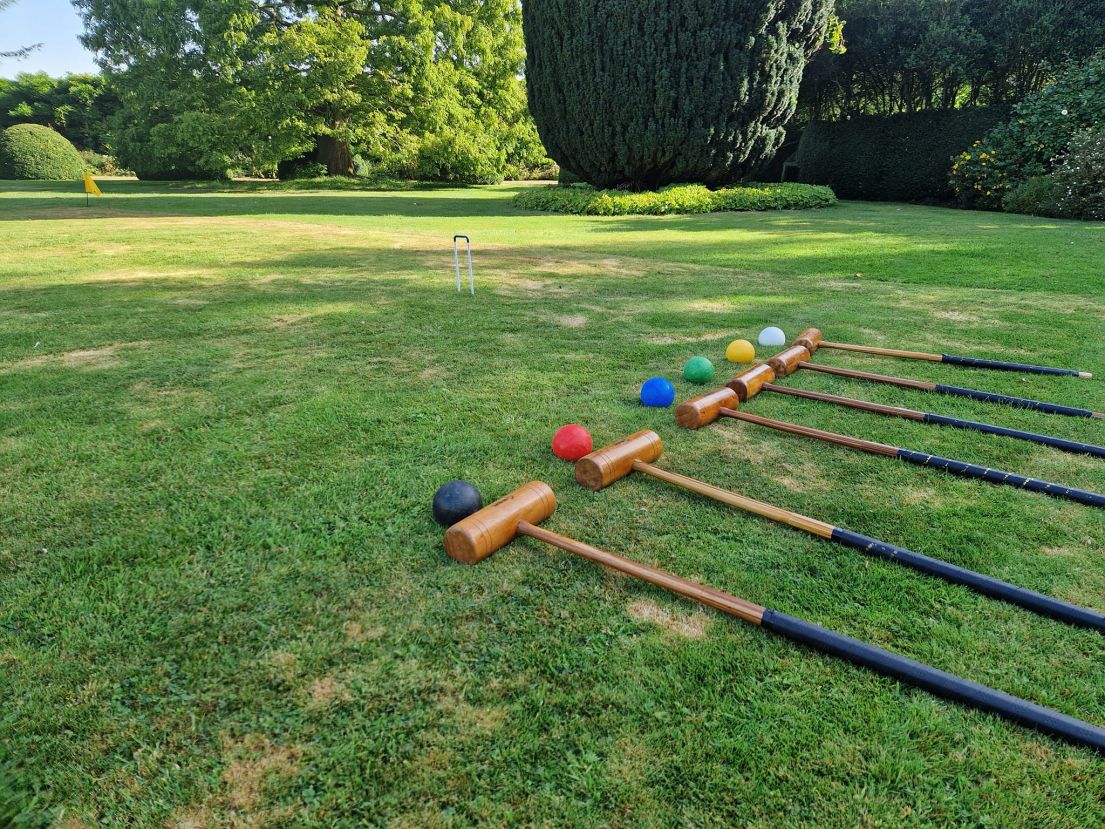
640,93
78,106
207,85
915,55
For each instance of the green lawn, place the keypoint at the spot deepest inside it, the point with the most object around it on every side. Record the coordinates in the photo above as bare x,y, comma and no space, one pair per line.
223,601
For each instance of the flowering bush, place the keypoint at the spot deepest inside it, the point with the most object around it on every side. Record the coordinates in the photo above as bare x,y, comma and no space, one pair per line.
1035,139
1080,179
982,175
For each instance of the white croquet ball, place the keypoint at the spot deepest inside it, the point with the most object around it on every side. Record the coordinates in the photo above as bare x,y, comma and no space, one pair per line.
773,336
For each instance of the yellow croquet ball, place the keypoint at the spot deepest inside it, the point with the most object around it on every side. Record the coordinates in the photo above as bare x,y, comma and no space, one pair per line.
740,351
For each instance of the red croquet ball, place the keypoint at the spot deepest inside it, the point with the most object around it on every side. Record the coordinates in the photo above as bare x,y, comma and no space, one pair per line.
571,442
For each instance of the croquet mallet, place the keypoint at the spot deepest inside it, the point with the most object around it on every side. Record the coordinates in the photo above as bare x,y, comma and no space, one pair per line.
518,514
954,359
637,453
811,340
706,408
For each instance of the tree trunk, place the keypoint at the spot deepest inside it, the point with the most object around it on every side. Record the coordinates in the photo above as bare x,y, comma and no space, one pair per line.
336,155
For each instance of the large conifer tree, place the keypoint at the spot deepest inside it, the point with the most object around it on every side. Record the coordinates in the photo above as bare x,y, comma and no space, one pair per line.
642,93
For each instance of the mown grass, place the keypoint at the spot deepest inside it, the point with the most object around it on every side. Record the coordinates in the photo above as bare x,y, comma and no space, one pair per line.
223,412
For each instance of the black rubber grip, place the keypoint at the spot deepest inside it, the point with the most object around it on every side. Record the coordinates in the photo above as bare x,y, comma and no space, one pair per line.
948,686
996,476
995,588
1047,440
1002,365
1019,402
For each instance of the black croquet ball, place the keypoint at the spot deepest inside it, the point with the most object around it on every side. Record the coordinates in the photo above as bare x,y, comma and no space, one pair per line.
454,501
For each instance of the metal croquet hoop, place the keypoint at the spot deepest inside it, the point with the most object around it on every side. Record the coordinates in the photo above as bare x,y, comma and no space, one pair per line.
456,262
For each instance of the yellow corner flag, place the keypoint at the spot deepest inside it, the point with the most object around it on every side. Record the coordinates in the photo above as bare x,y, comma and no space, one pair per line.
91,188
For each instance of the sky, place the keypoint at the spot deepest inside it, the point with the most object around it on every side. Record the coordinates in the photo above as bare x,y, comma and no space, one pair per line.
53,23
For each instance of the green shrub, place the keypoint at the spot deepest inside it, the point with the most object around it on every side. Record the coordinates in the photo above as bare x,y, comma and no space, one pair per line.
1080,179
1035,138
891,157
460,157
31,151
584,200
301,168
102,165
1037,196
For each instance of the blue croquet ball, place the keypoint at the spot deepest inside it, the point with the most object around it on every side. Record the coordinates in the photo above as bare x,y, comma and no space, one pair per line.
456,500
657,392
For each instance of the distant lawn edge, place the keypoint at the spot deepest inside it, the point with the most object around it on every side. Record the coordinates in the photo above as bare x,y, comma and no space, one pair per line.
583,200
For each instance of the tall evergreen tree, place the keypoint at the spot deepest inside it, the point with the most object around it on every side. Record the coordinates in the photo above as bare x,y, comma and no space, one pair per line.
641,93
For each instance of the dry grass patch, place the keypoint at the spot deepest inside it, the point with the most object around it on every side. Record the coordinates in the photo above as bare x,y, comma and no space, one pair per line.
326,691
83,359
255,762
692,338
691,625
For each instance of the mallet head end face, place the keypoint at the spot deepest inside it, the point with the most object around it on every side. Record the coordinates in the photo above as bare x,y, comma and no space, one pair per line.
748,383
1085,375
496,525
786,362
810,339
705,409
611,463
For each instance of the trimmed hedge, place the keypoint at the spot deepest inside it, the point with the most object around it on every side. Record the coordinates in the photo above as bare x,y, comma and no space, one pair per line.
35,152
678,198
904,157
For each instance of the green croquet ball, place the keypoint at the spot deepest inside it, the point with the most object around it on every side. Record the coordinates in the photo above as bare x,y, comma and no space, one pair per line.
698,370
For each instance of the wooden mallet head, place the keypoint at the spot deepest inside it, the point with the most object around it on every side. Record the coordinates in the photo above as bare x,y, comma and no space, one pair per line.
810,339
611,463
785,363
706,408
479,535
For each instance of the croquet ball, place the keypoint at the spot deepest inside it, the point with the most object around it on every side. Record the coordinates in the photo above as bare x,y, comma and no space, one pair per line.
571,442
773,336
698,370
456,500
740,351
657,392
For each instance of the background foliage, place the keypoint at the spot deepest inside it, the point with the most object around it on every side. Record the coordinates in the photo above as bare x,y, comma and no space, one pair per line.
1036,138
421,87
77,105
910,55
900,157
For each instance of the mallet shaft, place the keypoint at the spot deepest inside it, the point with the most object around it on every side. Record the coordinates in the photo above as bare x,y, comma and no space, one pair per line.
995,588
933,680
955,391
1074,446
968,470
956,360
791,519
724,602
882,352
